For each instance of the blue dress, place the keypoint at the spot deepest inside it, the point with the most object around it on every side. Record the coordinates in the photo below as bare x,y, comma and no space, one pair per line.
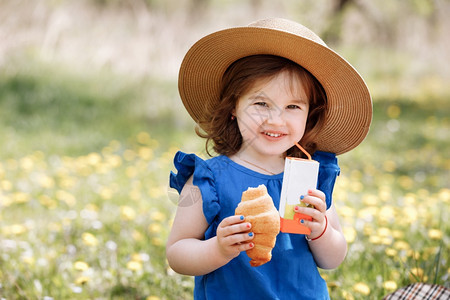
292,273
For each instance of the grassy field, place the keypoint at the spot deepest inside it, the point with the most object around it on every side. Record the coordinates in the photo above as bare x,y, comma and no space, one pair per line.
87,146
85,207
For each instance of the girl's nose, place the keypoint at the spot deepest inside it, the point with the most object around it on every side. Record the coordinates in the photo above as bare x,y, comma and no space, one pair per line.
275,117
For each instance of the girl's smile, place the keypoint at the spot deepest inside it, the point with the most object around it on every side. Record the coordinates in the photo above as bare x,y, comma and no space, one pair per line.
271,118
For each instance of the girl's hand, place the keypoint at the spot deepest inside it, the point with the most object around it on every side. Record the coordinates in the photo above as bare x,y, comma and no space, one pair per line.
316,198
233,236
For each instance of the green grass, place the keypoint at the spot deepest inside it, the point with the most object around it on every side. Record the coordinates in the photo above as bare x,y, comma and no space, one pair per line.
85,210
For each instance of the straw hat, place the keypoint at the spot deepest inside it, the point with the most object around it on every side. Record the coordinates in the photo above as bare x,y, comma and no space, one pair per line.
349,103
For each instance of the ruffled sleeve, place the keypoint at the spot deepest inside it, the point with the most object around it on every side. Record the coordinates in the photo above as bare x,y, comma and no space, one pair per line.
328,172
191,165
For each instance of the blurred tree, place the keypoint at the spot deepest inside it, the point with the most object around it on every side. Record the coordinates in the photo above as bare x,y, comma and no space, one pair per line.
333,31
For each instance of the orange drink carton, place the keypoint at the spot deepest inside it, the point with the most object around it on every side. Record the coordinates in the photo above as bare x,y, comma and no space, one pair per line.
300,175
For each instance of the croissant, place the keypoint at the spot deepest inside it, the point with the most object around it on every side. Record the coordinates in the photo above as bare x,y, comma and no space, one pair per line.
257,207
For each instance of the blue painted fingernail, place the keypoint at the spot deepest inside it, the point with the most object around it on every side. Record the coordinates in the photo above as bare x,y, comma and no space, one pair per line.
302,197
250,234
241,217
302,221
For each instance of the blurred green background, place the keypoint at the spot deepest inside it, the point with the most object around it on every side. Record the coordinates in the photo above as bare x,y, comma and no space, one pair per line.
90,119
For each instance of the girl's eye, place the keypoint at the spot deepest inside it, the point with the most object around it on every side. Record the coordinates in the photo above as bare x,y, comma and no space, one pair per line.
293,106
263,104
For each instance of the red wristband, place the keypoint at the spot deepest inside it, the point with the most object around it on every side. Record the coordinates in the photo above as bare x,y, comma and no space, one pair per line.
325,229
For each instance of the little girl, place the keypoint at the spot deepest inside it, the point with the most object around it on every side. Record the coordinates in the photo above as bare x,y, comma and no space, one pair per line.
255,92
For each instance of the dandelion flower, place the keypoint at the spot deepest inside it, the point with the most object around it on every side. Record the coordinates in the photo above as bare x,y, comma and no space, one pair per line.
89,239
401,245
137,236
134,265
82,280
390,285
156,241
158,216
152,298
80,266
143,137
393,111
20,197
435,234
155,228
417,274
145,153
350,234
94,159
106,193
375,239
384,232
347,295
389,166
391,252
46,182
362,288
29,260
6,185
127,213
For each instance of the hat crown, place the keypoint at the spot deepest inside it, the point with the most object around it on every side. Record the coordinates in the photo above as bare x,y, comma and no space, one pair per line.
288,26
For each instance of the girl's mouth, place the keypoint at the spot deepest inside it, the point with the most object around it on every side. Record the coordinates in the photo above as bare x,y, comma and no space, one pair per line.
273,134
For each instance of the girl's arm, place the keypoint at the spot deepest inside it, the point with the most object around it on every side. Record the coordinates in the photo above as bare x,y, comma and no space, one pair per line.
188,253
330,249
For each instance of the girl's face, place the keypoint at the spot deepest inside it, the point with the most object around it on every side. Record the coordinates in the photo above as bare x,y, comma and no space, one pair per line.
272,116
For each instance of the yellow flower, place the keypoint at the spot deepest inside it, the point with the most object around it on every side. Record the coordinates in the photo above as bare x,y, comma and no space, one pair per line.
20,197
417,274
401,245
347,211
406,182
347,295
158,216
47,202
391,252
393,111
384,232
106,193
154,228
80,266
137,236
390,285
350,234
89,239
94,159
435,234
81,280
134,265
389,166
46,182
6,185
156,241
29,260
152,298
66,197
362,288
127,213
145,153
14,229
143,137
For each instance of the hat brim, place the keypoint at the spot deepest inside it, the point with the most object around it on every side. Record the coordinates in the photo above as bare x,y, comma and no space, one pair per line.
349,103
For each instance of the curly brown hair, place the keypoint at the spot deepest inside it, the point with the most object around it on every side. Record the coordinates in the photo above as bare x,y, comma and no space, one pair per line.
222,130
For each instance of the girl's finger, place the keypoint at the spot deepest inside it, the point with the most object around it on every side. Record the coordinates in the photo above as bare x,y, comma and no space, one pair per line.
236,239
232,220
